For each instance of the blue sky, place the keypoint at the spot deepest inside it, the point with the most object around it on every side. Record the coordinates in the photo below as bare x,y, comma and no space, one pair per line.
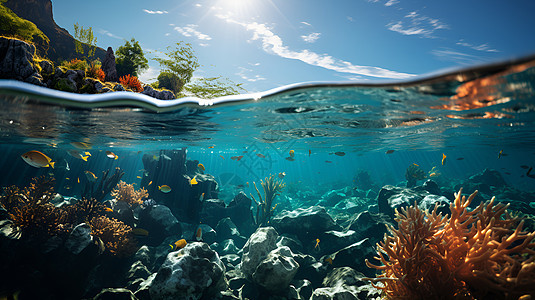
270,43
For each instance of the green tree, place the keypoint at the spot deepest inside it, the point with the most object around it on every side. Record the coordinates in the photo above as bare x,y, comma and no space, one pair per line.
178,67
130,59
84,36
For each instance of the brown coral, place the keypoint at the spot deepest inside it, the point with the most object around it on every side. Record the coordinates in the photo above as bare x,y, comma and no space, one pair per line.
471,254
83,211
116,236
126,193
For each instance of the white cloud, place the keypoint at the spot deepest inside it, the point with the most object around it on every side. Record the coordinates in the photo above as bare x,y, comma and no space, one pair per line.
311,38
191,31
306,23
417,25
149,75
483,47
456,56
350,19
155,12
391,2
273,44
244,74
103,31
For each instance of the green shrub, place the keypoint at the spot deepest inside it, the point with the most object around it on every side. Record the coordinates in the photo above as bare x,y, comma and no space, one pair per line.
75,64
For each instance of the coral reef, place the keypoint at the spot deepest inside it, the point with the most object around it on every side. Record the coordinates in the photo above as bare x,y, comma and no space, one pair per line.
104,186
414,173
482,253
126,193
116,236
264,210
83,211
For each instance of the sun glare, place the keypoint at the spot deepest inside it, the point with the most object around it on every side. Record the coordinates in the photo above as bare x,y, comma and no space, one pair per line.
247,8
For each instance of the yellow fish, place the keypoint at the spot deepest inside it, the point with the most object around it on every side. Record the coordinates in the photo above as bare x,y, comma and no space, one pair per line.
87,153
443,158
317,244
138,177
108,209
292,153
37,159
111,155
140,232
164,188
500,154
150,182
82,145
178,244
90,176
201,166
193,181
415,164
78,155
433,174
78,179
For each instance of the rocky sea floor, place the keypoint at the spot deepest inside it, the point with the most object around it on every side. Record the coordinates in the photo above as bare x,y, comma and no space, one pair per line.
314,246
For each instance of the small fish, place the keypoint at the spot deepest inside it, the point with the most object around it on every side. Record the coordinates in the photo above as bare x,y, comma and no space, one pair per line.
292,153
156,158
433,174
201,198
329,260
67,178
198,235
282,174
87,153
237,158
138,177
164,188
140,232
67,187
222,156
389,151
201,166
82,145
111,155
108,209
443,158
260,155
317,244
524,167
77,154
78,179
328,161
460,158
193,181
309,152
37,159
415,164
500,154
150,182
166,157
247,183
90,176
290,158
178,244
211,147
339,153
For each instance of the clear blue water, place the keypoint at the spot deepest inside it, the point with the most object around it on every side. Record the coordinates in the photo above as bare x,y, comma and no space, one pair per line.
469,114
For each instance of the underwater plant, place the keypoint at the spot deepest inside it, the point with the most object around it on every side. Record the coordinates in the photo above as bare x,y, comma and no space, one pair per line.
126,193
471,254
100,188
264,209
414,173
116,236
131,82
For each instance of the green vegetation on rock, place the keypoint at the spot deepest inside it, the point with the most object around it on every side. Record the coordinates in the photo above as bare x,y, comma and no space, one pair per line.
130,59
84,36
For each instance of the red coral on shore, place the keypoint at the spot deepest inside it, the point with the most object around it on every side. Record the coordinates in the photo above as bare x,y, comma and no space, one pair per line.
131,82
475,254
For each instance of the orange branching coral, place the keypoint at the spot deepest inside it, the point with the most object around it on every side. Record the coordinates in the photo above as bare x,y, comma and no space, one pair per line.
83,211
468,255
131,82
94,71
116,236
126,193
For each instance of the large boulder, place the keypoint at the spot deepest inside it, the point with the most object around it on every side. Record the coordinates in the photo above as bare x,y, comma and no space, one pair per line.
306,223
17,61
79,238
158,94
194,272
257,248
109,67
391,198
160,222
276,271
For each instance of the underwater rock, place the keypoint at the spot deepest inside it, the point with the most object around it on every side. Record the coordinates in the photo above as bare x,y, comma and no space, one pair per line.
160,222
310,269
290,241
226,229
431,187
122,211
303,287
489,177
8,231
213,210
392,197
335,293
332,240
115,294
276,271
258,246
354,255
306,223
109,67
138,270
143,255
79,238
231,259
17,61
162,95
228,247
347,278
331,198
239,211
370,225
171,168
194,272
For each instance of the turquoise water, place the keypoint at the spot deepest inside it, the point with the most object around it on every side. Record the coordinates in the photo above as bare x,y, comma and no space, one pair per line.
331,144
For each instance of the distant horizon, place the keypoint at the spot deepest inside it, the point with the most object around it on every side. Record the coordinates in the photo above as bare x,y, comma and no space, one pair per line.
268,44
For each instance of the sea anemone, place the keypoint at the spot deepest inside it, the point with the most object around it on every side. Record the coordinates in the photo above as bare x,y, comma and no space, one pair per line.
468,255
